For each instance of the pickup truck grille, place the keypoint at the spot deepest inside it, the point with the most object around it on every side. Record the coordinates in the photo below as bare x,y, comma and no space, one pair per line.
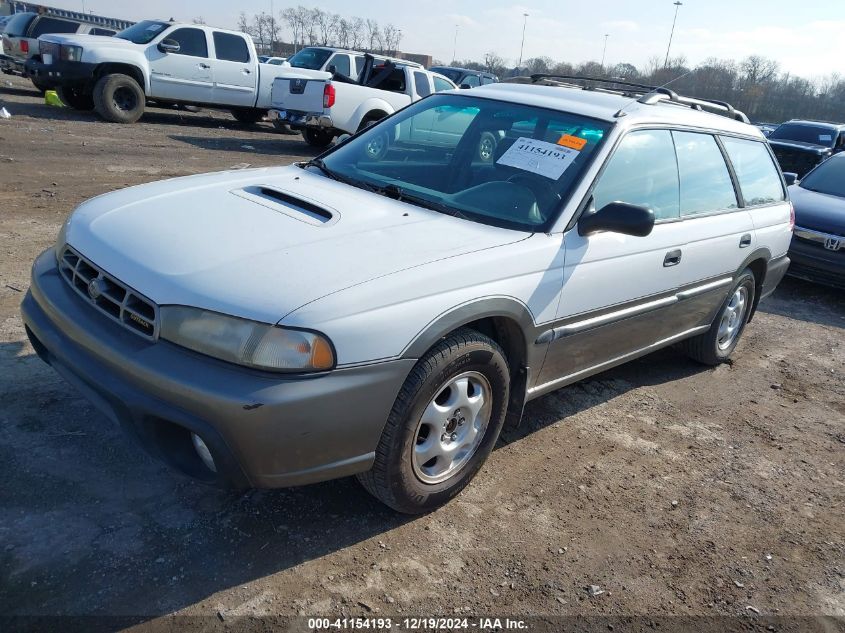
795,160
110,296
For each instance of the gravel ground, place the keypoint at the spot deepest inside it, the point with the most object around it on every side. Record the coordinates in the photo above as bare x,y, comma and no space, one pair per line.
678,490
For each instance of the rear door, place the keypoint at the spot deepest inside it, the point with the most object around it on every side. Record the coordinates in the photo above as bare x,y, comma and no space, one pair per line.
234,70
184,76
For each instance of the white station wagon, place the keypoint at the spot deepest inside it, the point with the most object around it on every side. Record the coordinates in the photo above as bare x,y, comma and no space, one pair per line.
384,313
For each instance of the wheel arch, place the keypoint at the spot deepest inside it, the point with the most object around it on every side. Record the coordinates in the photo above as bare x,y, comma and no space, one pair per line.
508,322
110,68
758,262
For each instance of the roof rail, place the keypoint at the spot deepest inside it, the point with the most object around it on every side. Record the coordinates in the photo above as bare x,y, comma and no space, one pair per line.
651,95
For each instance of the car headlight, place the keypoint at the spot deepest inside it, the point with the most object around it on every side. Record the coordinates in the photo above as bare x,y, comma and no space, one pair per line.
246,342
69,53
61,240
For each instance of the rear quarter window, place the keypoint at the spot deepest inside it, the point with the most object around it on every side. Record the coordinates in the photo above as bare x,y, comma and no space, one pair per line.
758,174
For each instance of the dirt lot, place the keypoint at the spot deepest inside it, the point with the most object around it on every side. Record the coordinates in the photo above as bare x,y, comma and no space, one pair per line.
677,489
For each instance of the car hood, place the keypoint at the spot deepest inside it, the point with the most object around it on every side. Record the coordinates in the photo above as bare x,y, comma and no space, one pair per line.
89,40
809,147
216,241
818,211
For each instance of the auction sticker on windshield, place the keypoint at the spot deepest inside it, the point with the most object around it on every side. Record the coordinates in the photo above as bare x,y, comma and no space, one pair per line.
539,157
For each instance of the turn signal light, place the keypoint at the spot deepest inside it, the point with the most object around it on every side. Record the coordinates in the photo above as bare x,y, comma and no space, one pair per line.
328,96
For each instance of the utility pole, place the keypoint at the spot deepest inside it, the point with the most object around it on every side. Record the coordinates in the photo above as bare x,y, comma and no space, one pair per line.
604,52
522,46
678,5
455,43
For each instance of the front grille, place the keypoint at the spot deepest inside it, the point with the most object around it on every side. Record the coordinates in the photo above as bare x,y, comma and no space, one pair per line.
833,243
795,160
110,296
49,48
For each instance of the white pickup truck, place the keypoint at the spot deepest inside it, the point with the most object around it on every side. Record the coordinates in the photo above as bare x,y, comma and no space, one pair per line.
155,61
325,105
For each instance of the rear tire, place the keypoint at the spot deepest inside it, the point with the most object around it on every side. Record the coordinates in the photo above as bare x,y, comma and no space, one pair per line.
248,116
716,344
118,98
317,138
443,425
75,98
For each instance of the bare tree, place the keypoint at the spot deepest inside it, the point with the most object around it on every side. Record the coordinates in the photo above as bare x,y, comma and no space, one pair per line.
243,23
391,36
373,34
294,19
492,62
199,20
357,32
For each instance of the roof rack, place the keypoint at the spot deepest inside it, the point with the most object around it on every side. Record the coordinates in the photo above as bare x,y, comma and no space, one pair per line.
649,95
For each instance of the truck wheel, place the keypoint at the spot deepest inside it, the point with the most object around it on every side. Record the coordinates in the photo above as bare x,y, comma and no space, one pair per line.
443,425
248,116
716,344
317,138
118,98
75,98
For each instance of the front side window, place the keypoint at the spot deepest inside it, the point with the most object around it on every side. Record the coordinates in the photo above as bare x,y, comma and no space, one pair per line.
758,174
706,184
493,162
470,80
441,84
231,48
192,42
341,64
310,58
487,80
421,84
46,25
642,171
143,32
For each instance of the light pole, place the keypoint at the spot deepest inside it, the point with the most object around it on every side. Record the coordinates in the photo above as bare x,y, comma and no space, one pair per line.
678,5
455,43
522,46
604,52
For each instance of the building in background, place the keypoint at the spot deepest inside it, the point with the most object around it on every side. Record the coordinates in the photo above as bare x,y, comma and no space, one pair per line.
8,7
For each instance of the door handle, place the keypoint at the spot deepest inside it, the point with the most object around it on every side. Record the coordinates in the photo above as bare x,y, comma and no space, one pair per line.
205,66
673,258
745,240
246,71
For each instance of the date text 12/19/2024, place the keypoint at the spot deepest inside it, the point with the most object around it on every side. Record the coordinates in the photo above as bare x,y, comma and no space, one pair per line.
417,624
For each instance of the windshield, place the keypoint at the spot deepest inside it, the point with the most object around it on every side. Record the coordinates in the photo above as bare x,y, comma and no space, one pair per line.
829,178
143,32
818,135
18,25
310,58
494,162
451,73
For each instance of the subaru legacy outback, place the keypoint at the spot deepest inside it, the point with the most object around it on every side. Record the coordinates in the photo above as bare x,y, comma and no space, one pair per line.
383,310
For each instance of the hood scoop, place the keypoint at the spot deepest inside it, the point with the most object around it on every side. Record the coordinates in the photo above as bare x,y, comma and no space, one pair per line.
292,206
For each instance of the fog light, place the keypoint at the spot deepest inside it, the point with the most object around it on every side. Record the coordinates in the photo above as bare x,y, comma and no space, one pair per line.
203,452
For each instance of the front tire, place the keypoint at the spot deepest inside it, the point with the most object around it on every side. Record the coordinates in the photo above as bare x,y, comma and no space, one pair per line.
716,344
317,138
75,98
443,425
118,98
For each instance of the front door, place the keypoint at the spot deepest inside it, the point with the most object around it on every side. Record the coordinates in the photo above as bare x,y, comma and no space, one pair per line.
184,76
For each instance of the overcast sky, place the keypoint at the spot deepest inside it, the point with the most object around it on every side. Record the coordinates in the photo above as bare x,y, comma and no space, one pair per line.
807,37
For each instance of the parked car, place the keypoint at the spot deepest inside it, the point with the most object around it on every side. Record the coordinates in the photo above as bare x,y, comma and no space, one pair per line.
465,77
20,38
275,61
801,145
766,128
312,61
330,105
164,62
818,246
384,317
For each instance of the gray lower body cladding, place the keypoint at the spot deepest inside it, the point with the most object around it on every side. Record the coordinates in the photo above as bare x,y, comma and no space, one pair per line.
263,430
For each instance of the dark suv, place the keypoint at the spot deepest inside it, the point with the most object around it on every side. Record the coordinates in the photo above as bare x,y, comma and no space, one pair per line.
465,77
801,145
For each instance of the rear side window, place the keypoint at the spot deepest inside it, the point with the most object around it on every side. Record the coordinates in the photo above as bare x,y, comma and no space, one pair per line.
421,84
441,84
758,175
642,171
192,42
231,48
706,184
52,25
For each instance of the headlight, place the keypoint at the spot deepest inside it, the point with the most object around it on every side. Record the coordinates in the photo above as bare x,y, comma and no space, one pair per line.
61,240
246,342
70,53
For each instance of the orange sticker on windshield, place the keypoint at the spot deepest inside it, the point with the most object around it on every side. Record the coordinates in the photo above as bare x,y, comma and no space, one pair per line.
572,142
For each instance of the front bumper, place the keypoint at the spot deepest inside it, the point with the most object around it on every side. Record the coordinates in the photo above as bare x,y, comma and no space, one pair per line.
263,430
300,120
813,262
60,73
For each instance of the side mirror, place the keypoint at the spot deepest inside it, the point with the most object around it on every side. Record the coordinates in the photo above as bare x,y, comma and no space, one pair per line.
332,69
465,86
790,177
169,46
618,217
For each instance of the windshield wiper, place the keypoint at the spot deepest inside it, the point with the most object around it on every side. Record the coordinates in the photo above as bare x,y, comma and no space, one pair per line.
397,193
321,165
